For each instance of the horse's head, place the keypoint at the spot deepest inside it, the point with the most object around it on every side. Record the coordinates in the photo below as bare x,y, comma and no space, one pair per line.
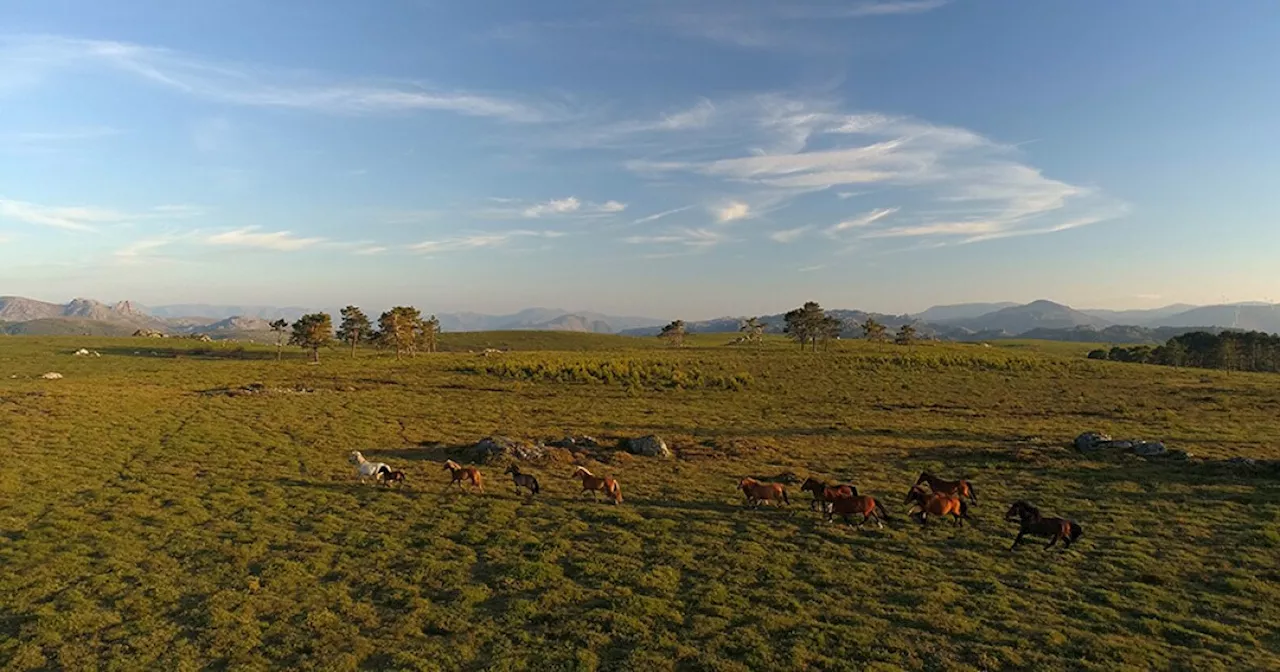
451,465
581,472
355,457
966,490
513,469
924,477
811,485
1021,510
915,494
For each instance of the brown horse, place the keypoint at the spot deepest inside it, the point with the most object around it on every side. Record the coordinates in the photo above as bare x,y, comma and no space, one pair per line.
960,488
825,494
757,492
1030,522
865,505
459,473
933,503
393,477
595,484
523,480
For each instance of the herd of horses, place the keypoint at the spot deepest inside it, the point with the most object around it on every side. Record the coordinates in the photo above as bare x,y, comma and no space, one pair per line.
929,496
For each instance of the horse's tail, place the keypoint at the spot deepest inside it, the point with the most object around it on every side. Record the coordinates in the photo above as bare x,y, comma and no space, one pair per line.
383,470
534,482
784,496
964,509
973,494
616,490
884,515
1076,530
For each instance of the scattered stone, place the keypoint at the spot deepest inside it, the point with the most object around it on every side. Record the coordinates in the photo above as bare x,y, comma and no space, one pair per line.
1149,449
150,333
52,375
495,448
570,442
81,353
1243,461
1090,441
649,446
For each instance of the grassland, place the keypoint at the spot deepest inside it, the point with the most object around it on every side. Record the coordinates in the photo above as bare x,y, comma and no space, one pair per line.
148,521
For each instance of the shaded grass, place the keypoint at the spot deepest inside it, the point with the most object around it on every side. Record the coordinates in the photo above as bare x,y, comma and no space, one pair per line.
169,528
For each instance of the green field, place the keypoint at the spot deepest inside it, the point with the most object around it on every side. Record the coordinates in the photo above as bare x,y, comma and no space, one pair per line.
150,521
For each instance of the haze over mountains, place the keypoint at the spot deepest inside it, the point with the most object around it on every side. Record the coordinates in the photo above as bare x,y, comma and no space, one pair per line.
1038,319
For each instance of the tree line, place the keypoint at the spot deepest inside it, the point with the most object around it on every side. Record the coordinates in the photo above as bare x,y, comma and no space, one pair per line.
809,325
1228,350
402,328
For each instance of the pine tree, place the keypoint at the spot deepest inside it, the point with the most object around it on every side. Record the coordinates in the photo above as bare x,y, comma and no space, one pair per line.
279,326
355,327
313,332
673,334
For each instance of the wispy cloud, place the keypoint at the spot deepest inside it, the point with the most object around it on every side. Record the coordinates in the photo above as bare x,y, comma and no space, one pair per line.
252,237
776,25
255,85
964,188
862,220
568,207
370,250
810,269
731,212
789,235
479,241
553,207
687,237
85,219
869,9
659,215
42,140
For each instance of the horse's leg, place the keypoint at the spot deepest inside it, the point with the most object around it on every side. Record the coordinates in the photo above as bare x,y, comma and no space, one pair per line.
1017,540
1052,541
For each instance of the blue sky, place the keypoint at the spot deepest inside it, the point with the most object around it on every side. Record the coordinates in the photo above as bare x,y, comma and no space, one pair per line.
671,158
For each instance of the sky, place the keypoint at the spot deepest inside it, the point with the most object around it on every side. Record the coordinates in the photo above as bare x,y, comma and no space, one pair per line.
671,158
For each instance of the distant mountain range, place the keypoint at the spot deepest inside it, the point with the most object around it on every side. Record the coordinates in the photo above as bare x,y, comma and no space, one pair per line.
972,321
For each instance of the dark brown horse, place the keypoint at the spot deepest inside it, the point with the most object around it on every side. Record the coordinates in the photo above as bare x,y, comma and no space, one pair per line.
935,504
825,494
863,505
960,488
390,477
460,473
523,480
757,492
1030,522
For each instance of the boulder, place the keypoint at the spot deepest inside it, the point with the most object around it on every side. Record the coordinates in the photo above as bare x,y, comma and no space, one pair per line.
81,353
1243,462
570,442
496,448
1149,449
1090,441
52,376
1178,455
649,446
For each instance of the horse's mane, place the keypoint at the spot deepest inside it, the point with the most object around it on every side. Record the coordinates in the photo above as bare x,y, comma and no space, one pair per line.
452,465
583,470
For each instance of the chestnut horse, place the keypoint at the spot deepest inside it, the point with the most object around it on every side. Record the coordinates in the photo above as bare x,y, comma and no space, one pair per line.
459,472
933,503
865,505
825,494
757,492
594,484
1030,522
960,488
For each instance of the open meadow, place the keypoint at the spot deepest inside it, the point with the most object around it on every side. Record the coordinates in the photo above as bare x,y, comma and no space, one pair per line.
150,520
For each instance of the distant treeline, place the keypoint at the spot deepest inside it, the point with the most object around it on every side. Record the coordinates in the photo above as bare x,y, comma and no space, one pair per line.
1229,350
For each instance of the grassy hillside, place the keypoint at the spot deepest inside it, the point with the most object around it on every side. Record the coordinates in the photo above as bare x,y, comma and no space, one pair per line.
149,519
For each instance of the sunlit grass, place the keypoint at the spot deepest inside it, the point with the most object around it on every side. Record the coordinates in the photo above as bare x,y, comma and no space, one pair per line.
147,522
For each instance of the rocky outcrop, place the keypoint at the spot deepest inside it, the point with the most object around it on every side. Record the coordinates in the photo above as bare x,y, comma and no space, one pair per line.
649,446
496,448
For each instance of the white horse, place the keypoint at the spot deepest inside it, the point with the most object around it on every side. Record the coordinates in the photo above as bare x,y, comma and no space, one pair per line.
366,469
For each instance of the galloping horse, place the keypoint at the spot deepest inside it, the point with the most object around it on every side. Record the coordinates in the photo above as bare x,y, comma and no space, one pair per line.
1030,522
459,472
757,492
960,488
937,504
366,469
393,477
594,484
524,480
858,504
825,494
